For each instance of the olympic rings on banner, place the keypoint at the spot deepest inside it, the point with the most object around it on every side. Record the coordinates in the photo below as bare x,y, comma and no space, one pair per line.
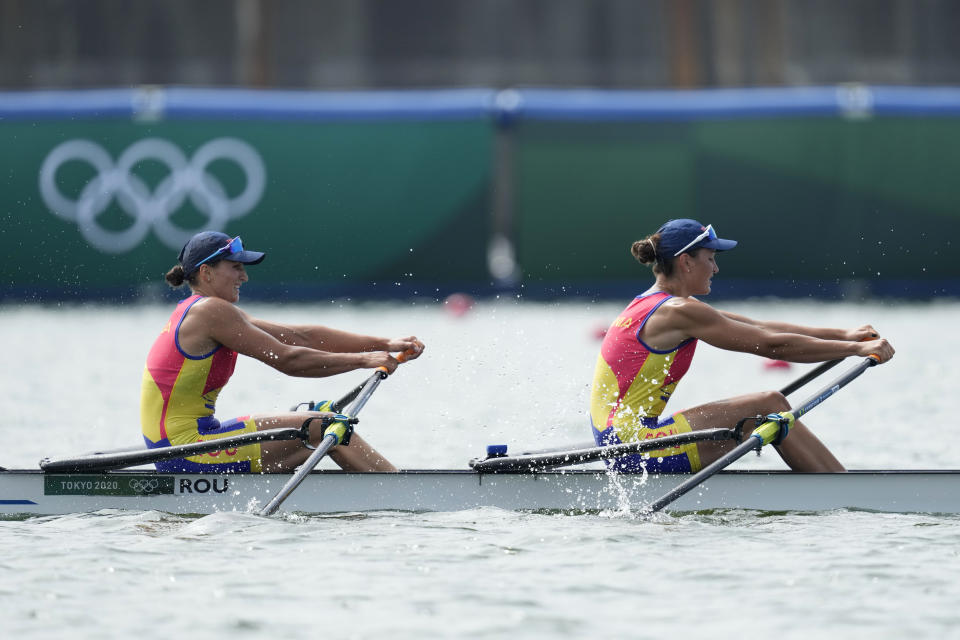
151,209
144,486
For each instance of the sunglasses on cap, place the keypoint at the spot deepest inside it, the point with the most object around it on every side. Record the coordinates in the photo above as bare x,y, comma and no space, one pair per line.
707,233
231,248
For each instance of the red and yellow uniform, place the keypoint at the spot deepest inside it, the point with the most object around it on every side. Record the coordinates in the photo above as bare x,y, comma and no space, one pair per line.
631,386
178,398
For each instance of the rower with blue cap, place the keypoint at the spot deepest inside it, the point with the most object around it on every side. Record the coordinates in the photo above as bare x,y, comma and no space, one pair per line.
650,345
195,354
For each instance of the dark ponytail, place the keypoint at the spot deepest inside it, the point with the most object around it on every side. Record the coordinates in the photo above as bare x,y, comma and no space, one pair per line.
175,277
647,251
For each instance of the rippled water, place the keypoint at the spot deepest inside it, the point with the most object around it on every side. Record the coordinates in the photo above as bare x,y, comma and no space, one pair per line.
503,373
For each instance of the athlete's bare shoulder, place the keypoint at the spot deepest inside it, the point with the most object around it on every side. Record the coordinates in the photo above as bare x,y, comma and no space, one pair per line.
212,308
685,314
210,319
683,305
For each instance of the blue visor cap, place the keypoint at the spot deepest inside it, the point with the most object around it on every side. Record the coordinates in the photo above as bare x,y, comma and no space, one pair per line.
208,246
678,236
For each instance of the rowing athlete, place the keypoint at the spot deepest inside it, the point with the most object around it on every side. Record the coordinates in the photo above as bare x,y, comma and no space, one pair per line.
649,347
194,356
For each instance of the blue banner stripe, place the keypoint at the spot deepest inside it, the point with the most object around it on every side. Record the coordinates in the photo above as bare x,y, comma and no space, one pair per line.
185,103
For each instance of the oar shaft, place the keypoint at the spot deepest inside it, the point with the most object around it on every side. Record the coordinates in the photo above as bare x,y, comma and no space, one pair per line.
369,388
338,405
121,459
327,443
763,434
576,446
333,437
834,386
810,375
553,459
750,444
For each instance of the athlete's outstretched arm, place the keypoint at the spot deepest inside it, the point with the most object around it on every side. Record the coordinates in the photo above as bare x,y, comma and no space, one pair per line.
335,340
699,320
865,332
225,324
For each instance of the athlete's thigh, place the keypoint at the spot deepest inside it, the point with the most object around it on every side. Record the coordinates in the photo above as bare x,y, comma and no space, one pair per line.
725,414
285,455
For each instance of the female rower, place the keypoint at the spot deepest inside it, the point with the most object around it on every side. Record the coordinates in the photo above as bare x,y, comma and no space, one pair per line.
649,347
194,357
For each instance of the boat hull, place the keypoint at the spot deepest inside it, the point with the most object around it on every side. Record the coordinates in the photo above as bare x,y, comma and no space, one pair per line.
34,492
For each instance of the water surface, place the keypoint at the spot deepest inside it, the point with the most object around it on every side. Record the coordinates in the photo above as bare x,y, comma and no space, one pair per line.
504,373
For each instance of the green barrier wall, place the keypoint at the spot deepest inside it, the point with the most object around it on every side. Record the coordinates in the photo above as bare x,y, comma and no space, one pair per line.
345,205
817,199
829,190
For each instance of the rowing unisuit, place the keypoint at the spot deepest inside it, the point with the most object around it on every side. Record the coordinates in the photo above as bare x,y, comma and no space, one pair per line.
178,398
632,383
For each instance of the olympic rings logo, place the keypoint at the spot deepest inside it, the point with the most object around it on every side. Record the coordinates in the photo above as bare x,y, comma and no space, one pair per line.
151,209
144,486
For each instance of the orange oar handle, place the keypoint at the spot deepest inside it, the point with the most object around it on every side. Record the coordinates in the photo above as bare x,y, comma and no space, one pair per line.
402,357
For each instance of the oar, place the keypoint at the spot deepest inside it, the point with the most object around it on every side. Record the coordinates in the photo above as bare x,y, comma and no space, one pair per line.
548,460
770,431
334,435
540,459
104,461
336,406
810,375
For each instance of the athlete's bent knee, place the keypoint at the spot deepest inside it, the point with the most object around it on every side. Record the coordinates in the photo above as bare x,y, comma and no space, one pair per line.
774,401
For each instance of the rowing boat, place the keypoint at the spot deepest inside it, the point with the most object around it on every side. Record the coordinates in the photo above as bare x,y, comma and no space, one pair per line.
35,492
528,481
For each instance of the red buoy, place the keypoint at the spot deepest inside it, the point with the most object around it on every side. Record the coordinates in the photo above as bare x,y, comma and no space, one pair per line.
776,364
458,304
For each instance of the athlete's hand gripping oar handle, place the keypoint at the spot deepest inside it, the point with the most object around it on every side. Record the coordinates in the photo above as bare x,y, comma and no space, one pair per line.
402,357
334,434
770,431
